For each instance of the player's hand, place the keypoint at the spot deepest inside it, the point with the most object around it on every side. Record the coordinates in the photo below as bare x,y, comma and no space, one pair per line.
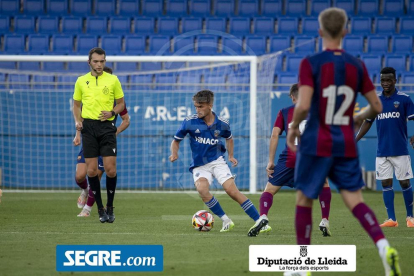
78,126
173,157
76,140
293,133
357,123
233,161
412,141
105,115
270,169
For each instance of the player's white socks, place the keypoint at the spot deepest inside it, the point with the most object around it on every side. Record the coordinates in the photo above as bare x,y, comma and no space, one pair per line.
224,218
85,191
88,208
381,244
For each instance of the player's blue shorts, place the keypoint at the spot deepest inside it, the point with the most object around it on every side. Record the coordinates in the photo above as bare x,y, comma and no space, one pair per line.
81,159
311,172
282,175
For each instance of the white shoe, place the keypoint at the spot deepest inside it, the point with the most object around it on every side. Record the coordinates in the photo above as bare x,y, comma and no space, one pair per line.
84,213
82,199
324,227
296,273
227,226
390,260
258,226
265,229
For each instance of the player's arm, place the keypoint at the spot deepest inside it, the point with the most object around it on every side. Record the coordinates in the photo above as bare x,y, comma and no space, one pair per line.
77,103
77,139
230,151
77,114
366,125
119,107
274,140
175,146
124,124
178,137
373,109
299,114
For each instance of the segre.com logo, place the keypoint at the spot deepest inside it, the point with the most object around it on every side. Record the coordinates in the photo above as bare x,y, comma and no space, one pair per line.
109,258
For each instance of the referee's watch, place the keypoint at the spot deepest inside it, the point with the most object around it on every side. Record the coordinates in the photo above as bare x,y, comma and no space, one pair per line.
113,113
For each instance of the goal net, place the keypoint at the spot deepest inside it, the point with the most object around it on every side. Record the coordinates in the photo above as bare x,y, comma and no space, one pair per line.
37,128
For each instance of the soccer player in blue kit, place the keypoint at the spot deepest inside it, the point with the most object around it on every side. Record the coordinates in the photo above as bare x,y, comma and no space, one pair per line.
205,130
328,85
392,150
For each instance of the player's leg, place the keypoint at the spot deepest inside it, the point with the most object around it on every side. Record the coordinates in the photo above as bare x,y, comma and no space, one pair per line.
91,151
87,209
80,179
202,180
404,173
222,173
354,201
303,218
108,150
310,175
95,186
266,199
282,176
325,202
346,174
385,171
111,181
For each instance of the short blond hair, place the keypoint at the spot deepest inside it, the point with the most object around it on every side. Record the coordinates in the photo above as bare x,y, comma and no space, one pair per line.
333,21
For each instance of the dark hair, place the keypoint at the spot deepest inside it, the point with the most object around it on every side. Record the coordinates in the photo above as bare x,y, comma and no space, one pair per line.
294,90
108,70
97,50
204,96
388,70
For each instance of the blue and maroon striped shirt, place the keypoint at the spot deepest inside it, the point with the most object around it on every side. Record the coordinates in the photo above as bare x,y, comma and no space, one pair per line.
283,119
336,78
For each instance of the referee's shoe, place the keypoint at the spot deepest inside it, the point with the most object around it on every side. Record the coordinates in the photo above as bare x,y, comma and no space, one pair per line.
103,216
110,214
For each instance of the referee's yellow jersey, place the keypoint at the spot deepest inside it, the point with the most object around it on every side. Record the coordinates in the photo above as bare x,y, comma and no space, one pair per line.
97,94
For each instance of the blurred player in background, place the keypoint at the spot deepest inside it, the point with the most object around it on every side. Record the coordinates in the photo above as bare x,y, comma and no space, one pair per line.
283,173
392,150
86,199
328,86
205,129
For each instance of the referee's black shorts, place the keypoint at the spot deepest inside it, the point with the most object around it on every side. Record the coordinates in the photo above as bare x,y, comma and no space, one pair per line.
98,138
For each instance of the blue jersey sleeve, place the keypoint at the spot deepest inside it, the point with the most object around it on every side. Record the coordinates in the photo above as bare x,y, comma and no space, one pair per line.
181,132
226,132
410,109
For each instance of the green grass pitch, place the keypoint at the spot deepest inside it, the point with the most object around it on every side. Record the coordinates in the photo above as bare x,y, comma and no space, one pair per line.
32,224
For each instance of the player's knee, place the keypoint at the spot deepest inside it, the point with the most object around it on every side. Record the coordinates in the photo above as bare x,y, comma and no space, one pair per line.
111,172
405,184
386,183
92,172
80,177
270,189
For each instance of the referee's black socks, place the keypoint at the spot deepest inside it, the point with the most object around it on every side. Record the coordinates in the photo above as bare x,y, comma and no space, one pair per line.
110,189
95,186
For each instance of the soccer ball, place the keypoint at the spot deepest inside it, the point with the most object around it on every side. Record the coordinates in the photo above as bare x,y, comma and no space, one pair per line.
203,221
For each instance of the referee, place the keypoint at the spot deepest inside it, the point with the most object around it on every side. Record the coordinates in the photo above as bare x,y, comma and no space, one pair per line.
96,92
